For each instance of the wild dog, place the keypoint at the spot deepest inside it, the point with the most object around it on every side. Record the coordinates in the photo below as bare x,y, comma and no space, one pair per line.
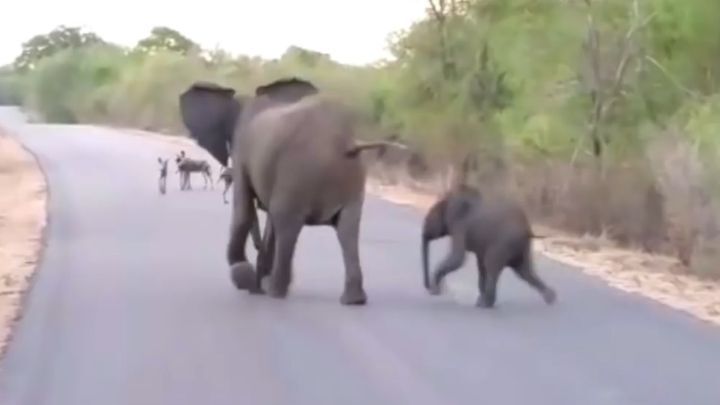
186,166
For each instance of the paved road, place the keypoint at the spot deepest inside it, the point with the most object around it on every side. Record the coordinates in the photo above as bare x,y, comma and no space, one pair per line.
133,305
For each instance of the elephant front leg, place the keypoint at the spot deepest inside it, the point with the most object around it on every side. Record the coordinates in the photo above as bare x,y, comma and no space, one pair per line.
482,277
453,261
242,272
347,230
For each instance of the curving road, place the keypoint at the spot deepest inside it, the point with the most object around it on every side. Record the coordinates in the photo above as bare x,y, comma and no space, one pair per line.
133,305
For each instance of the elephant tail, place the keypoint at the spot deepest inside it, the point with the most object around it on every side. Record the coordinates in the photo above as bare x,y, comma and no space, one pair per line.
361,146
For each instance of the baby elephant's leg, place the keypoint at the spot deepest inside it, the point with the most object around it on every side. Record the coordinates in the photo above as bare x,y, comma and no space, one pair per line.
494,262
453,261
525,270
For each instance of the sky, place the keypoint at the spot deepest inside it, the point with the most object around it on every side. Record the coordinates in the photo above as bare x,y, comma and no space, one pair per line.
351,31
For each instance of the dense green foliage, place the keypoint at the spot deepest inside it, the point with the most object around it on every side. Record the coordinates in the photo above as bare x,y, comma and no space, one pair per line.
166,39
42,46
604,115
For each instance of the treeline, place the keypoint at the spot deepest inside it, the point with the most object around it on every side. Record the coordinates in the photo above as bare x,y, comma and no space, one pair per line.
603,116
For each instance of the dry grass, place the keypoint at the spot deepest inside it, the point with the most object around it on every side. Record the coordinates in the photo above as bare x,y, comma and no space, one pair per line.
23,199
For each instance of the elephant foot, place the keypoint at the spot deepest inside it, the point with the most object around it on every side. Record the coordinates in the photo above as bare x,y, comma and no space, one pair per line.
278,288
261,287
277,292
484,302
435,288
549,296
256,290
243,275
353,296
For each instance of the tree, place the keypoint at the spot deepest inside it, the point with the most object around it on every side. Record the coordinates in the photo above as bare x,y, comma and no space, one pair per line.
305,57
9,86
44,45
166,39
449,84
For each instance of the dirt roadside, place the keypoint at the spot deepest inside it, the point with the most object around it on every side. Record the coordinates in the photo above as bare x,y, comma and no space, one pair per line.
657,277
23,199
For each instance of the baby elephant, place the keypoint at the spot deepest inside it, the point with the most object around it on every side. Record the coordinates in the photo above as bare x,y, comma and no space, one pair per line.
496,230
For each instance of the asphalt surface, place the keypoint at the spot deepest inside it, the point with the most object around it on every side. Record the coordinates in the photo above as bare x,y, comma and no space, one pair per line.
133,305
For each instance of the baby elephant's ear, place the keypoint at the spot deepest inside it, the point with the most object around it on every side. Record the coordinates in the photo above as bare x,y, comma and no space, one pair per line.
457,208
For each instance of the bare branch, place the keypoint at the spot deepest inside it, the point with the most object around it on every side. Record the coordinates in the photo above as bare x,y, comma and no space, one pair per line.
621,68
670,77
604,97
438,10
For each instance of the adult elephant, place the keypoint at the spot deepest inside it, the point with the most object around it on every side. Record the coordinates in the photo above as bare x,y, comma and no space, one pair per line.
294,153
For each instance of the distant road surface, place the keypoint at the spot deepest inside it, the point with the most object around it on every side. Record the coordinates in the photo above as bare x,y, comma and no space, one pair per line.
133,305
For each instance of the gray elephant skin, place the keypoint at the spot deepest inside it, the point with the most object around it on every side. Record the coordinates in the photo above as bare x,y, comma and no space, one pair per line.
495,229
295,155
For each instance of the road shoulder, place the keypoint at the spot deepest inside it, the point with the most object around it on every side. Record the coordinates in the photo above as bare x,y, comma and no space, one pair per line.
23,208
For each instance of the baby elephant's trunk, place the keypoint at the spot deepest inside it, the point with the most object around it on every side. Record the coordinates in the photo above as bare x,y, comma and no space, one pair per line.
426,273
432,229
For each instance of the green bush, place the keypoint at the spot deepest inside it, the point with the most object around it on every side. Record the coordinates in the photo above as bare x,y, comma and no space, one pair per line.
60,89
10,88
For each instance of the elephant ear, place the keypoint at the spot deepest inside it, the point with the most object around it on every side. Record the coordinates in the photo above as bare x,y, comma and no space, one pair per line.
209,112
460,202
287,90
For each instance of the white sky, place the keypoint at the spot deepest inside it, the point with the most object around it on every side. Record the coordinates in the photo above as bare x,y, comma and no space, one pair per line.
351,31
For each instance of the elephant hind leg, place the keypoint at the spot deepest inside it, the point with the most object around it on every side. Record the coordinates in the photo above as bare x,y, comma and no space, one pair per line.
494,262
266,253
347,229
524,268
482,273
286,231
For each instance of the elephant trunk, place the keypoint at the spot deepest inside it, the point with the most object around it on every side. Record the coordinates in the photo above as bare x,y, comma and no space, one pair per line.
426,273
